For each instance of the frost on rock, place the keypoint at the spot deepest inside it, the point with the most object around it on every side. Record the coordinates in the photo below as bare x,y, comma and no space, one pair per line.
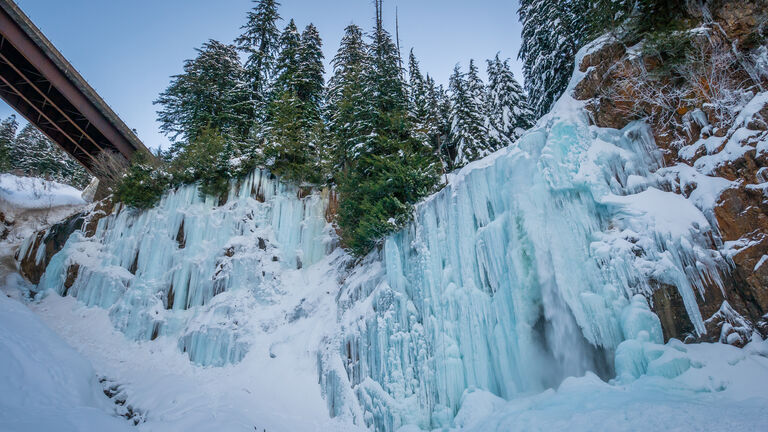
190,270
523,271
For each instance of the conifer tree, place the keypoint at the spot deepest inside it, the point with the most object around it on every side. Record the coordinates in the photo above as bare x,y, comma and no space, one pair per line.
35,155
260,42
288,60
394,170
310,82
508,113
295,122
418,95
552,33
469,135
443,111
8,130
348,106
210,93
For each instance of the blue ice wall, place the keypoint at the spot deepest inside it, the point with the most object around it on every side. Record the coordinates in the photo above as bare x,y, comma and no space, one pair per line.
517,275
179,269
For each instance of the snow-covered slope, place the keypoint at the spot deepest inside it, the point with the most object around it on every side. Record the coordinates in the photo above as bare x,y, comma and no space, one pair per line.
45,384
24,193
528,272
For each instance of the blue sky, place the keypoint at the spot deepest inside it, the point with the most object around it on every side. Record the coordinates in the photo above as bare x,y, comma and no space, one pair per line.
128,49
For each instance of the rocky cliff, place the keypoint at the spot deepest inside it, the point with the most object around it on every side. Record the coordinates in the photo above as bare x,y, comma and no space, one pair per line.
709,112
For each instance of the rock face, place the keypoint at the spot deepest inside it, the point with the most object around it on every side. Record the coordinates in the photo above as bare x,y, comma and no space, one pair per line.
732,147
36,253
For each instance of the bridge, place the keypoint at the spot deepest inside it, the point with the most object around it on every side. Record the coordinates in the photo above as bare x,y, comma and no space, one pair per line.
40,84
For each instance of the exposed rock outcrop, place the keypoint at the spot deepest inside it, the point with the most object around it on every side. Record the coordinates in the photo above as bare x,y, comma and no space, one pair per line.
35,256
733,147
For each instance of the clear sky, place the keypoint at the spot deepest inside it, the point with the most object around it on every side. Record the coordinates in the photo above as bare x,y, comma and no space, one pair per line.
128,49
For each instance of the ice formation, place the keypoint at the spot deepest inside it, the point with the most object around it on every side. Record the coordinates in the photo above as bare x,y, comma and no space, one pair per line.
161,272
520,273
529,267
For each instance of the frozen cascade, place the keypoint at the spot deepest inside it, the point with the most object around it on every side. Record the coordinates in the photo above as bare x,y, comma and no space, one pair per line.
180,269
520,273
530,266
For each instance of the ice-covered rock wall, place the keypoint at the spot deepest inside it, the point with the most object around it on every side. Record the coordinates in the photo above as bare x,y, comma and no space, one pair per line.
183,268
524,270
520,273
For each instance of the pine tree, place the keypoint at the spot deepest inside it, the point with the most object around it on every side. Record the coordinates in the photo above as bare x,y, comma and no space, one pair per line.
210,93
310,82
443,111
35,155
418,95
295,122
469,136
260,42
508,113
394,170
348,107
553,31
287,60
8,130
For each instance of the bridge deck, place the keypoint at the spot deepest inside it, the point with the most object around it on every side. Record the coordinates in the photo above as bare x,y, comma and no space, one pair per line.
38,82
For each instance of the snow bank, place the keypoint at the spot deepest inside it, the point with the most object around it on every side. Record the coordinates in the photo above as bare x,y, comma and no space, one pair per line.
34,193
718,388
45,385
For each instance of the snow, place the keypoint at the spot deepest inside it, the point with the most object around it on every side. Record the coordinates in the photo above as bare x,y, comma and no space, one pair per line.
35,193
45,384
723,388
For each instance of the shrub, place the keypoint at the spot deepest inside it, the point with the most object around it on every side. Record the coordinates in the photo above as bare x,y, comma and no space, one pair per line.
144,182
206,159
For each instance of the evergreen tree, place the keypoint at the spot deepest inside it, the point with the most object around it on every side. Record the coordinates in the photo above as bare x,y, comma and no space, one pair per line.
143,184
206,160
210,92
418,108
443,111
553,31
35,155
288,60
393,170
260,41
469,136
8,130
310,82
295,122
509,114
348,107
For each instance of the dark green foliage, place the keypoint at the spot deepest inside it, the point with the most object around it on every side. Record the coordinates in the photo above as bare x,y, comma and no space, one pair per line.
8,130
260,42
33,154
348,108
391,170
553,31
659,15
424,106
143,184
378,195
469,138
206,160
294,122
211,91
508,111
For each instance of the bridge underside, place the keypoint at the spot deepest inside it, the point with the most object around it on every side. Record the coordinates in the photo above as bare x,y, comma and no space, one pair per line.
38,82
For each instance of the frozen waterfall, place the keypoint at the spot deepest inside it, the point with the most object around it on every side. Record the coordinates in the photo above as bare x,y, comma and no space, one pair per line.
519,274
524,270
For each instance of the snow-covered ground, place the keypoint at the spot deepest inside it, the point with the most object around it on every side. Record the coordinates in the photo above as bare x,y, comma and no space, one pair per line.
25,193
274,387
